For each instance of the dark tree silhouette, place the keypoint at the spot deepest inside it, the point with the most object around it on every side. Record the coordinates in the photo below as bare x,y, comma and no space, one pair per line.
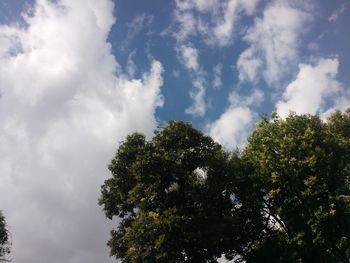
182,198
303,164
4,240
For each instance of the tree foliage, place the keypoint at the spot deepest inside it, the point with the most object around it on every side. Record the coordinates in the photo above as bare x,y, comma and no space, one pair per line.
303,164
176,199
4,239
181,197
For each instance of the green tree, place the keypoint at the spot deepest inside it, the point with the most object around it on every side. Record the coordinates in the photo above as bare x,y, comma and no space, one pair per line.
303,165
179,199
4,239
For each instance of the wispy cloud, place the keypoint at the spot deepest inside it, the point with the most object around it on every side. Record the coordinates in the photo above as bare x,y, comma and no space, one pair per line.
217,70
136,26
274,42
130,65
188,56
191,18
214,22
197,94
337,13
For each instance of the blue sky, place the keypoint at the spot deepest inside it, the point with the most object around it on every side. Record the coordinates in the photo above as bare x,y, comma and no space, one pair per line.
77,76
324,38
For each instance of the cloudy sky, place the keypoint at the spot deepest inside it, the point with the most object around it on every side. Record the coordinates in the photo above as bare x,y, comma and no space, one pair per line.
77,76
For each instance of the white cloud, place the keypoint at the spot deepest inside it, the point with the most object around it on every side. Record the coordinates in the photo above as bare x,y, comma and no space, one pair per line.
217,70
224,24
337,13
229,129
198,107
189,57
312,86
201,5
341,102
138,24
232,127
274,42
176,73
248,66
191,18
214,21
64,108
187,25
130,64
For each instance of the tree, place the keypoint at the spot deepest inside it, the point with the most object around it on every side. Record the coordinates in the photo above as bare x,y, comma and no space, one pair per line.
4,239
181,197
177,200
304,167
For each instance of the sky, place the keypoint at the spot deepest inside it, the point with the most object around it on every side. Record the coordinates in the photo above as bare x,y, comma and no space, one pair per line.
77,76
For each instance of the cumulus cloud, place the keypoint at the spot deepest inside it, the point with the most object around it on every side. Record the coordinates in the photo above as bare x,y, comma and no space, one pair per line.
273,40
233,126
312,86
64,108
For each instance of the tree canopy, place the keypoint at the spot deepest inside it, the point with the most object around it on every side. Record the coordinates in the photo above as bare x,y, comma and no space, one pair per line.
181,197
4,239
303,166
